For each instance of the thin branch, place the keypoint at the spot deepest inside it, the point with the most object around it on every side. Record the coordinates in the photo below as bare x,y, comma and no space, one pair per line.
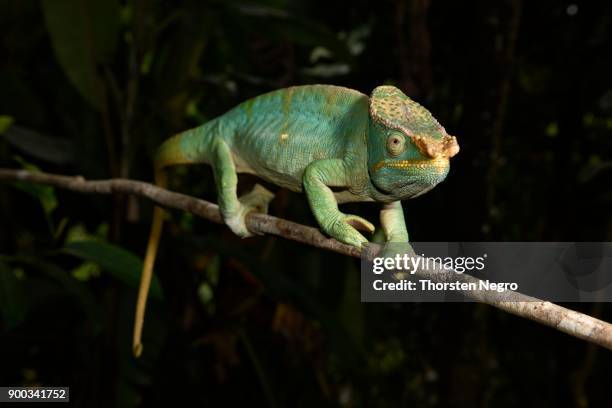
565,320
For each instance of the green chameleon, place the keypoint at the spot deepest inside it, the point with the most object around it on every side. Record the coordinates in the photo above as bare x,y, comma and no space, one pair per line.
334,143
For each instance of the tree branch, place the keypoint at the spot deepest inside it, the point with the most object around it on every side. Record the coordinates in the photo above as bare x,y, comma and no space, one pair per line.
565,320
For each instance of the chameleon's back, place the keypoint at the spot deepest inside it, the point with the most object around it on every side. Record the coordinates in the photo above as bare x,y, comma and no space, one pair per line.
276,135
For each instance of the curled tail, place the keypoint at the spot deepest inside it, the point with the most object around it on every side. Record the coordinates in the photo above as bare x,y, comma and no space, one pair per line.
180,149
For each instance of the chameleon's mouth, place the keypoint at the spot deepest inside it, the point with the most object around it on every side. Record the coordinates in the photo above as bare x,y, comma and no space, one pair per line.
439,164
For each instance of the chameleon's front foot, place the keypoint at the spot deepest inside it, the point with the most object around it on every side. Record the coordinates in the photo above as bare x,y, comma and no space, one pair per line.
344,227
257,200
318,176
394,227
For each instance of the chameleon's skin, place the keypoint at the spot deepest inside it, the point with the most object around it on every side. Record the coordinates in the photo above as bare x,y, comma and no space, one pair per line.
316,137
313,138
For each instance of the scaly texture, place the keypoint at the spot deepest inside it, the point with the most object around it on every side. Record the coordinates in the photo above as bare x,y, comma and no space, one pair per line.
314,138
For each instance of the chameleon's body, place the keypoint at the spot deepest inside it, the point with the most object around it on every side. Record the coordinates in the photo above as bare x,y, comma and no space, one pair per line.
314,138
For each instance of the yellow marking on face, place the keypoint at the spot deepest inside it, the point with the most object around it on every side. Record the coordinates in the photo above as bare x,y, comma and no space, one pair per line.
439,164
283,137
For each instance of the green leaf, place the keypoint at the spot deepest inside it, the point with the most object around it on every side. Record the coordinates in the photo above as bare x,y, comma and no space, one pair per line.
12,299
278,23
86,271
84,35
79,232
37,292
49,149
5,123
44,194
120,263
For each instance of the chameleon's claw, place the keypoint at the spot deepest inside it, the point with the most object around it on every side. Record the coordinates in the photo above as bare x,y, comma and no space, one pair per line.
359,223
344,229
237,222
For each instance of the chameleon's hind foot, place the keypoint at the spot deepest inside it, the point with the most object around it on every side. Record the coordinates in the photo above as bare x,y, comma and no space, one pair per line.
257,200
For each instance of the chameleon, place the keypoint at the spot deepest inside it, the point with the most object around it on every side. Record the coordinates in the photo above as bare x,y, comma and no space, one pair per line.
335,144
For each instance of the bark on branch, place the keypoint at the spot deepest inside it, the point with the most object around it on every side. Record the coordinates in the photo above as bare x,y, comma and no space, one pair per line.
565,320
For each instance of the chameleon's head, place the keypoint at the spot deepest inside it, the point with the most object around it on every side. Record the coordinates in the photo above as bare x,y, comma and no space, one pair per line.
408,150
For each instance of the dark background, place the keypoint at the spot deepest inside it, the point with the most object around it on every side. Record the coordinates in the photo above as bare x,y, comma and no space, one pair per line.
92,87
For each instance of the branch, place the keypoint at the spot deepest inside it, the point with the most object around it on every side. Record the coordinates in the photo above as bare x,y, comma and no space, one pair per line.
565,320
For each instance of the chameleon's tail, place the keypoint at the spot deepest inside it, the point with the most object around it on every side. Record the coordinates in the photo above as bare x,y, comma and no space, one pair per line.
147,269
175,150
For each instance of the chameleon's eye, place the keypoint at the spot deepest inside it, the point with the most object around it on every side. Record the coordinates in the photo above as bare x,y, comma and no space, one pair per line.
395,144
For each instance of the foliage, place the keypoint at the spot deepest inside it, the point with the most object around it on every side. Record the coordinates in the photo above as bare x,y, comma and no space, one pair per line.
92,87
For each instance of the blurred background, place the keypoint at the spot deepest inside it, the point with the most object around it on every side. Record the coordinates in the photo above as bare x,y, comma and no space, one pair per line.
91,87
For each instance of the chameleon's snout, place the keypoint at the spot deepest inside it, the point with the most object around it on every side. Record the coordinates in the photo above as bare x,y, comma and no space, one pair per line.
444,148
451,147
